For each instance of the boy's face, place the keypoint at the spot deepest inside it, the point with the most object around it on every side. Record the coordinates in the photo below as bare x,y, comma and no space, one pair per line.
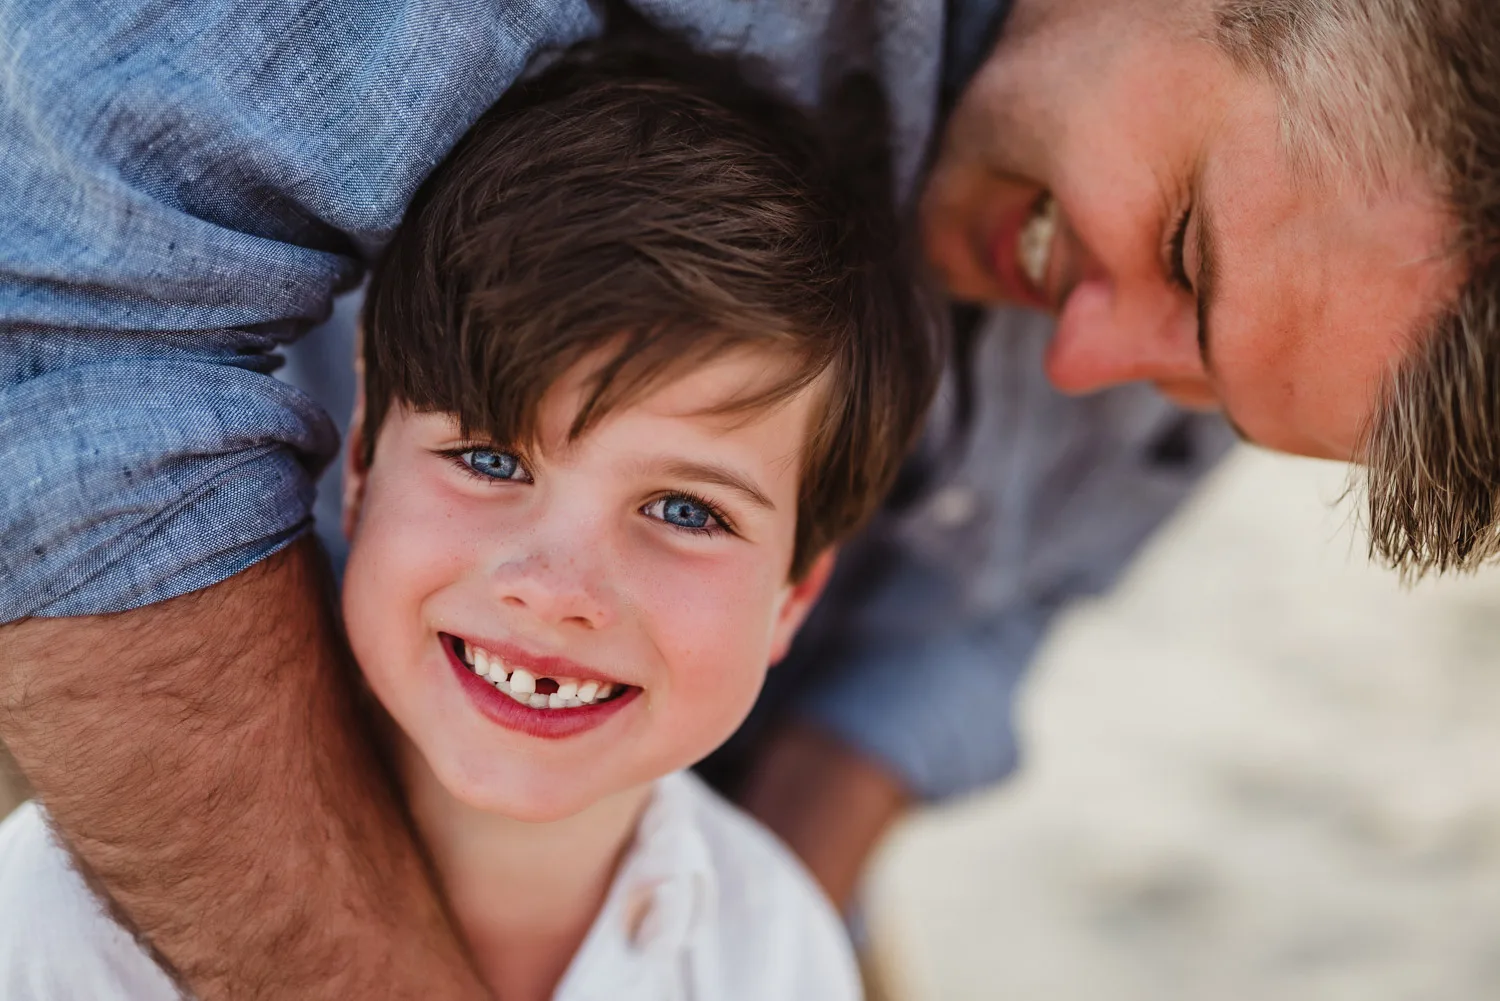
650,555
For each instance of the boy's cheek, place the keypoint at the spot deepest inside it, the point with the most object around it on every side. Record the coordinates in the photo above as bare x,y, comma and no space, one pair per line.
397,562
413,534
713,630
708,702
714,672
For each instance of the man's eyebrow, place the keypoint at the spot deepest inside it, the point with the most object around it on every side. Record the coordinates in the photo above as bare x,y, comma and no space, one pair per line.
1206,283
710,472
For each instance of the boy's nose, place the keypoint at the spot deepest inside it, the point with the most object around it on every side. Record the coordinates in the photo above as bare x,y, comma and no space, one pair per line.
555,588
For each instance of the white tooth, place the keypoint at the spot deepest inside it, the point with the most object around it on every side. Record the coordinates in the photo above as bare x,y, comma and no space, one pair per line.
523,681
498,680
567,687
1034,245
556,701
481,663
537,701
605,691
588,691
574,703
520,697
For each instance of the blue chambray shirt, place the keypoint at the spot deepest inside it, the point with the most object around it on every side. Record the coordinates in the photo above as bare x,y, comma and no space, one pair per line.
184,187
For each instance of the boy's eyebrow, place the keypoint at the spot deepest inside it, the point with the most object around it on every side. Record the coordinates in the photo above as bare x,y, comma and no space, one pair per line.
710,472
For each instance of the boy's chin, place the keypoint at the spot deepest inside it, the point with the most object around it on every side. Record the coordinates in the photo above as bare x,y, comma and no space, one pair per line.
531,799
525,801
534,810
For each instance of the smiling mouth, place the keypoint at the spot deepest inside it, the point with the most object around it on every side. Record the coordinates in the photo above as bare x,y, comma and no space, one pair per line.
1035,240
535,691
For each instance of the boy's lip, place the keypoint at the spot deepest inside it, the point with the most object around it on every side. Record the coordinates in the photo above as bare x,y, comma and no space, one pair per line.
541,665
549,724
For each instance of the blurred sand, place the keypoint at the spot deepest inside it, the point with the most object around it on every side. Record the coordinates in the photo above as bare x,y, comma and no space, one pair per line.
1260,769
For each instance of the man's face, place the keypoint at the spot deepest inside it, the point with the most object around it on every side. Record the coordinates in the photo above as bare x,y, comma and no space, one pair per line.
1186,250
651,555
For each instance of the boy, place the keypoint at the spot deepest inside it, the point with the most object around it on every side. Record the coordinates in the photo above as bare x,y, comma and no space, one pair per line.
636,359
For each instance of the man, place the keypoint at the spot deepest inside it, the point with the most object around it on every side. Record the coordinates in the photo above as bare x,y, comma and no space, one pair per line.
1282,209
196,184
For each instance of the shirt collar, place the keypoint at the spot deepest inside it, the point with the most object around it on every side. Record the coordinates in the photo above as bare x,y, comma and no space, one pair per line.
668,872
664,896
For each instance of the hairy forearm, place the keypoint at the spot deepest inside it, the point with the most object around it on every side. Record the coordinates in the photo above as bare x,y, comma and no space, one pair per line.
205,762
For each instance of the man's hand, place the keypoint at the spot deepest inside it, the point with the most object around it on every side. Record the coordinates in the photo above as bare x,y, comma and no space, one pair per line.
830,803
206,763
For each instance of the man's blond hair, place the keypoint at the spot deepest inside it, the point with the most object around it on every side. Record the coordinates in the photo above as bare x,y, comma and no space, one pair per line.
1374,89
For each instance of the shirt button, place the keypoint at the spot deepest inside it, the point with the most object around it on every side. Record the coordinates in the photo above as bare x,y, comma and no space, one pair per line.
659,915
637,917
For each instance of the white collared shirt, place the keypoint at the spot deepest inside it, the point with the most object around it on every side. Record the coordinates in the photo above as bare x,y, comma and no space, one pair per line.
706,906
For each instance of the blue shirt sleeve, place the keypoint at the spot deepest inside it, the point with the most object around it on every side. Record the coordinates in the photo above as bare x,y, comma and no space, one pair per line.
186,186
936,612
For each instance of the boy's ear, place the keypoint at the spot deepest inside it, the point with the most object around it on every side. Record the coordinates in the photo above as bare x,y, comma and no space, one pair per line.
355,467
799,601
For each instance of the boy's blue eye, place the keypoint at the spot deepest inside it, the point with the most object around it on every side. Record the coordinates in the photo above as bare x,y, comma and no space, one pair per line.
495,465
685,512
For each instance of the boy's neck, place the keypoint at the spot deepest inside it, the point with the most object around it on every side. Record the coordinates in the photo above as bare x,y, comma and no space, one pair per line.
523,895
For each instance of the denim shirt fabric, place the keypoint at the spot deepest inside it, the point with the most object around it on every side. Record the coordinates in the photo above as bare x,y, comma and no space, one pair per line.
184,187
916,652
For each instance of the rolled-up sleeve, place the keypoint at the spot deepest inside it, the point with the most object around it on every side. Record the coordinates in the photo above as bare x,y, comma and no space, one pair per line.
185,187
134,478
936,613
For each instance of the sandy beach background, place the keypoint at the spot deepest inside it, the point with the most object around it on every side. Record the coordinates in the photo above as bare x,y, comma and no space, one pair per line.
1260,769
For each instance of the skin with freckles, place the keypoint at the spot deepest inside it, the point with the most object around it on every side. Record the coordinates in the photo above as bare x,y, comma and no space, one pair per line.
1151,139
590,550
579,563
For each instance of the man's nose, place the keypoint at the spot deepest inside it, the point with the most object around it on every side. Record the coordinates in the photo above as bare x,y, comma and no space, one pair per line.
559,585
1109,334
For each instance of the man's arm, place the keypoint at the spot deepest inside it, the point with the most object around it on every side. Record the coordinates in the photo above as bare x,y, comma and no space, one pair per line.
185,186
206,760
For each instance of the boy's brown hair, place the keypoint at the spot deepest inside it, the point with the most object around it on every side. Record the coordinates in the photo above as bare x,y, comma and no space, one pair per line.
644,204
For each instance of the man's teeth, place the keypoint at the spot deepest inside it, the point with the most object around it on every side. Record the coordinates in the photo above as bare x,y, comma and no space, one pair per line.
1034,245
520,684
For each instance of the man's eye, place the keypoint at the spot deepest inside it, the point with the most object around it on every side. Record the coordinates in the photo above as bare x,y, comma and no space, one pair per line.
685,512
1176,268
494,465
